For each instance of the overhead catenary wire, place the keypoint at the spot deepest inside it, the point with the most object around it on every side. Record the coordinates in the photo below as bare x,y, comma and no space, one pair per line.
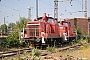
18,10
2,11
49,4
45,3
14,9
79,2
11,14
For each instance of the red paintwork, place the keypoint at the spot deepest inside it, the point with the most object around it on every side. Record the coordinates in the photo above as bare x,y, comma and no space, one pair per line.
51,29
66,28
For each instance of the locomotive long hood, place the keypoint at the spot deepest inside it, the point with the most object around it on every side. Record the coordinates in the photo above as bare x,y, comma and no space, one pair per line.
32,28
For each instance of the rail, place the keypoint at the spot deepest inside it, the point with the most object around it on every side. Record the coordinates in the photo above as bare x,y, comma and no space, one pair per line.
3,36
14,52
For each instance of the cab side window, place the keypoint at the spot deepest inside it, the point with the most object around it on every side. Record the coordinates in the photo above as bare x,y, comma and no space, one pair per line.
50,20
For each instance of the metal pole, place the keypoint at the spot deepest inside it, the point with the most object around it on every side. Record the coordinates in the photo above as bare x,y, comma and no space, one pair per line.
56,9
4,25
82,5
29,13
85,8
36,8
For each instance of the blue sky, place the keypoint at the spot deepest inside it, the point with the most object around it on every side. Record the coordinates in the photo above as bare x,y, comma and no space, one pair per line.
12,10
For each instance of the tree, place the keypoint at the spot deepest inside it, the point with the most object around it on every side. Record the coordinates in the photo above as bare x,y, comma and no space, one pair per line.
4,28
12,40
11,26
79,34
21,23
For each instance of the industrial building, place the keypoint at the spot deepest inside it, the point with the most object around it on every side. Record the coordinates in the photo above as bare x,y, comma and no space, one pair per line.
82,22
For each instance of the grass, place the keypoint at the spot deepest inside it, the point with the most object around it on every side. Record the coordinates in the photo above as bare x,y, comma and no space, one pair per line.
50,49
82,52
35,53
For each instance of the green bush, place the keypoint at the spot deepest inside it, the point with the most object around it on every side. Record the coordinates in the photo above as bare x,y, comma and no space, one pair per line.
75,42
50,49
79,33
35,53
12,40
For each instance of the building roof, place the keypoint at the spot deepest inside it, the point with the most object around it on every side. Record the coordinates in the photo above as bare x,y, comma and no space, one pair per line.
78,17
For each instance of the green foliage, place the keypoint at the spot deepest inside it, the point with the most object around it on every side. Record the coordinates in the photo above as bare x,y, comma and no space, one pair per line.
79,34
18,55
3,28
75,42
11,26
26,54
12,40
5,58
50,49
71,43
35,53
21,23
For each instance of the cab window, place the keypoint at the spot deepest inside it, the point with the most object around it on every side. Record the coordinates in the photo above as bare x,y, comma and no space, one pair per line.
65,24
40,20
50,20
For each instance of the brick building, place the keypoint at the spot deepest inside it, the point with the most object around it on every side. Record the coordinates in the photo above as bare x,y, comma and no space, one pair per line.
82,23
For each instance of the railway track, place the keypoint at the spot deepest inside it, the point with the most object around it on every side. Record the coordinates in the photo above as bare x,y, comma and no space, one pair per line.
14,52
71,47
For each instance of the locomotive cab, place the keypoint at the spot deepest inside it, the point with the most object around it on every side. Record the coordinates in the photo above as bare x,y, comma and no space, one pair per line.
66,32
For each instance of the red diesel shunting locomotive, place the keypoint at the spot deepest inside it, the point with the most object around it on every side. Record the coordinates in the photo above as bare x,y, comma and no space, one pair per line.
47,30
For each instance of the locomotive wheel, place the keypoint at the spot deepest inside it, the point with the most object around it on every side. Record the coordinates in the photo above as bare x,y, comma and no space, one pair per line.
50,42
